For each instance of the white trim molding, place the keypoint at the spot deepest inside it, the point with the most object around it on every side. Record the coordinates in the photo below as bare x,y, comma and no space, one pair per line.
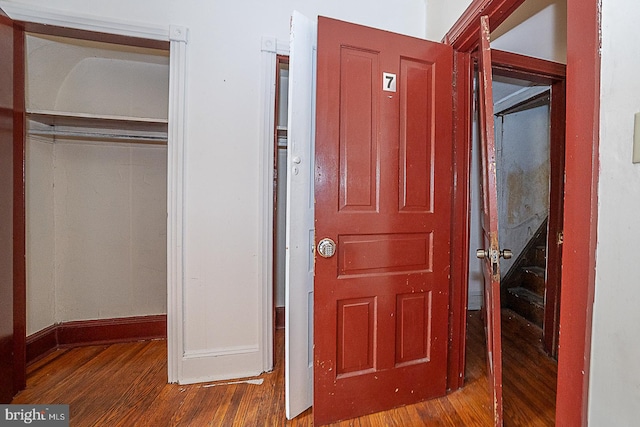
42,15
175,201
270,47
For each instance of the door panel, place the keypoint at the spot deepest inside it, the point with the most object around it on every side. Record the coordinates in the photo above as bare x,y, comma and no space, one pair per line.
299,230
491,254
383,182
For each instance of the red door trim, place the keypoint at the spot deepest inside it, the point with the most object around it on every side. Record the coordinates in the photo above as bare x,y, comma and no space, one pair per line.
19,213
582,130
509,64
463,67
463,35
556,216
581,210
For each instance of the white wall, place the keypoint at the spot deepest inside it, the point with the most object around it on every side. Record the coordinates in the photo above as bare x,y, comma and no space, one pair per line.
476,240
537,28
96,230
96,78
615,376
441,15
222,242
40,230
110,229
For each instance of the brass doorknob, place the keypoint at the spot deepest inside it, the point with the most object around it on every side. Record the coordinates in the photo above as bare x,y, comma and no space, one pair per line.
506,253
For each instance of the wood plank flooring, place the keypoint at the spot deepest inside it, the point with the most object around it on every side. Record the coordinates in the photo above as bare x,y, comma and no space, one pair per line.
125,385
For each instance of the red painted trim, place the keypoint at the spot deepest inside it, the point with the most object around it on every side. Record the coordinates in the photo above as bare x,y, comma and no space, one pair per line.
96,332
581,210
556,215
463,35
460,220
19,230
509,64
41,343
108,331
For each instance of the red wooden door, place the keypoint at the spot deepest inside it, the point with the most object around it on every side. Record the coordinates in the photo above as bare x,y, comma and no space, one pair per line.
491,251
383,185
12,315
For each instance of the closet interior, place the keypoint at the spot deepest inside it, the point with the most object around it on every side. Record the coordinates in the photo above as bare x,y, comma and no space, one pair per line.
96,172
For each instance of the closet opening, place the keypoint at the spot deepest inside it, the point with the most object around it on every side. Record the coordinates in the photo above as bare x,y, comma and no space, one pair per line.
280,189
96,188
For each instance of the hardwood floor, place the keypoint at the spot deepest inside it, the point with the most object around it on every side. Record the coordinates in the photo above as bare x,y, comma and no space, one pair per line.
125,385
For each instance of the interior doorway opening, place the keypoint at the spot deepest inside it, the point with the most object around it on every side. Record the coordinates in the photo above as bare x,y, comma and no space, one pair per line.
528,119
280,136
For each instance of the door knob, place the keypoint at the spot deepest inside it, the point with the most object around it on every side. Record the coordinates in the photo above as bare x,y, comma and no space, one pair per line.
483,253
326,247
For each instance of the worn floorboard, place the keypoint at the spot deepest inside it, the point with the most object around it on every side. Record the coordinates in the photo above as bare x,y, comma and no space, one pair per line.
125,385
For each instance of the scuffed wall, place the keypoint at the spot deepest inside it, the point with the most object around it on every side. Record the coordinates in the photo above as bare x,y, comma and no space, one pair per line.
522,145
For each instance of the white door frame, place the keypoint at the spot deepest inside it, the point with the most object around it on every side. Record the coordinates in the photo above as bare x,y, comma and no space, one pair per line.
270,49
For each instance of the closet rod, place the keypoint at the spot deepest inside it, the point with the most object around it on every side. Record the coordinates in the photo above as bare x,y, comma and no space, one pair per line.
158,139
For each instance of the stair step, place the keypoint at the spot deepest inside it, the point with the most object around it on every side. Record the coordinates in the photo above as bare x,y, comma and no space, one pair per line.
527,295
534,269
532,278
527,304
540,256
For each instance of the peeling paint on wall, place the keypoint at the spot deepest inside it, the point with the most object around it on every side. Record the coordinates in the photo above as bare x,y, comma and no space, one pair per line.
522,141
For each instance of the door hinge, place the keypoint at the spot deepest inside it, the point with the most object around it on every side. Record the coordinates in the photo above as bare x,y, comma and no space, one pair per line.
560,237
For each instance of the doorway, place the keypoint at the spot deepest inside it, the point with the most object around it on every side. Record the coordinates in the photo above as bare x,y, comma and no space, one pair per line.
96,185
280,188
528,162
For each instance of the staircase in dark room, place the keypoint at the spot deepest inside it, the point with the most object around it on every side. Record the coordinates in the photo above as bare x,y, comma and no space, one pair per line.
523,286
